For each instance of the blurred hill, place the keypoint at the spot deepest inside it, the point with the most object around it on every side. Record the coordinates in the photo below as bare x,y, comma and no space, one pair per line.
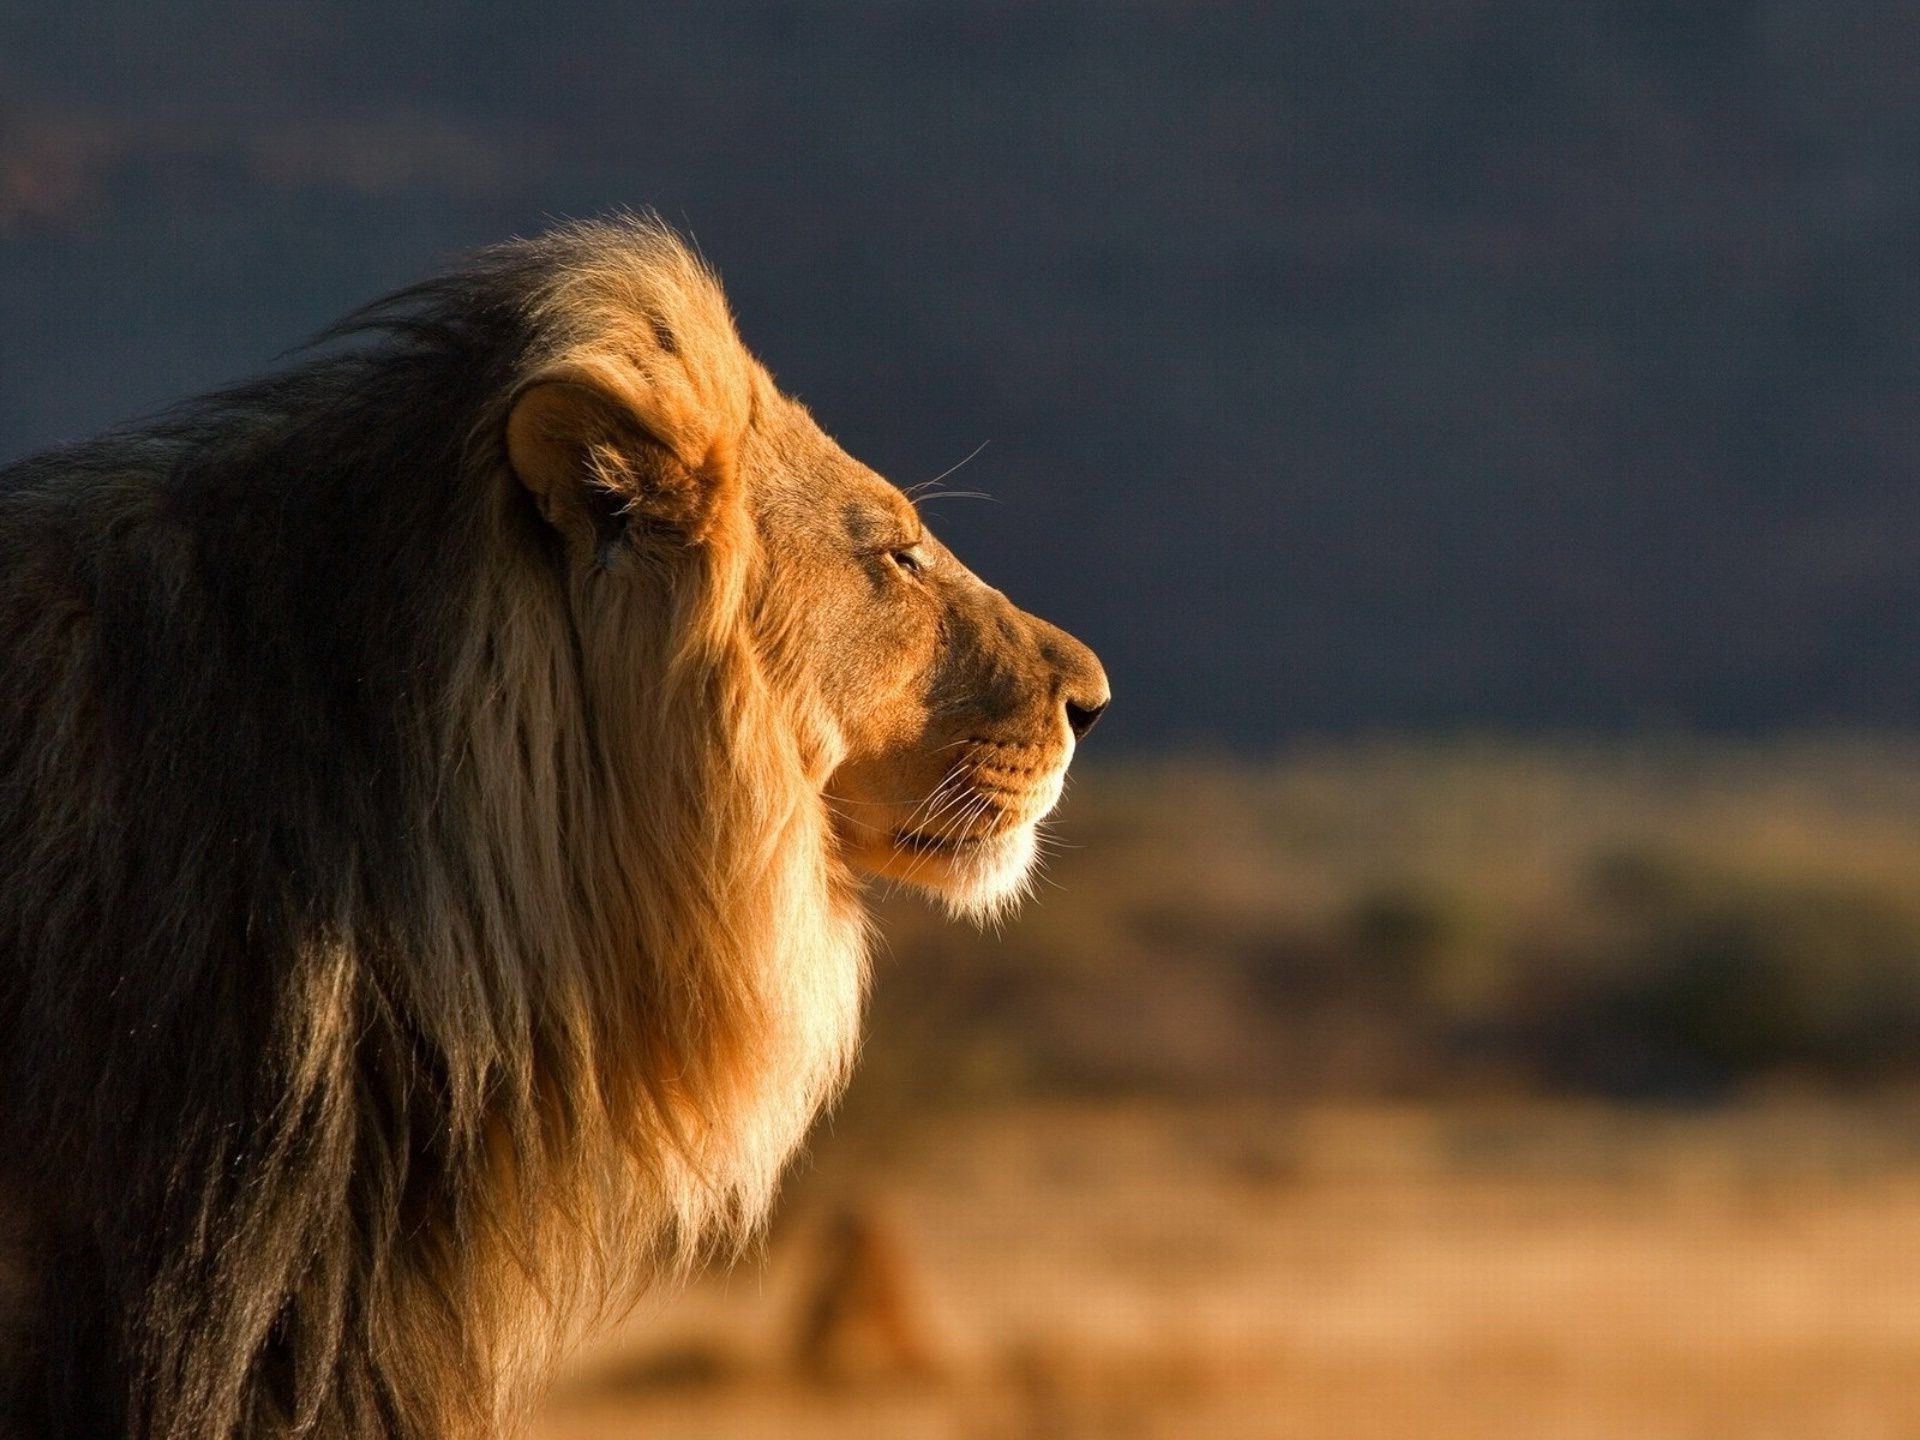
1435,920
1344,365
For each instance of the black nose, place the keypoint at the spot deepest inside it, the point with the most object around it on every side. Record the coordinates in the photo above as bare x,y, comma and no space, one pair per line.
1082,718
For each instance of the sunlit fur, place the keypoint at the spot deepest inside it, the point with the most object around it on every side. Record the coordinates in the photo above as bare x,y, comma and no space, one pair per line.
432,782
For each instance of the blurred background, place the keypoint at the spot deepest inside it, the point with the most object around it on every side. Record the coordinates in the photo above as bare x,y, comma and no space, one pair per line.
1477,991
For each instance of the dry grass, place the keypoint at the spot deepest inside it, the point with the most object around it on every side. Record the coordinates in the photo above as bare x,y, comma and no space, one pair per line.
1128,1271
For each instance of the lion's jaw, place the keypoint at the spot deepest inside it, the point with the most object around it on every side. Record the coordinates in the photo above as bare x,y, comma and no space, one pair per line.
972,838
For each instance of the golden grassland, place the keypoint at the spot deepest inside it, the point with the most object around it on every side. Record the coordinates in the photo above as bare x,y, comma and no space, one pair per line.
1123,1270
1439,1089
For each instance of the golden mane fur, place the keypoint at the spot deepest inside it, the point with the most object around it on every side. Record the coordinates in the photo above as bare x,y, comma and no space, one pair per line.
411,945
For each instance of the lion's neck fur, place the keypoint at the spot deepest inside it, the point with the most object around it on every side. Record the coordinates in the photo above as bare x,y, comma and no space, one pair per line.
659,895
435,1028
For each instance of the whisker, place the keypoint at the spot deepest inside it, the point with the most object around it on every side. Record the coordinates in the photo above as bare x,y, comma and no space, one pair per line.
955,790
868,804
943,795
949,828
935,838
915,491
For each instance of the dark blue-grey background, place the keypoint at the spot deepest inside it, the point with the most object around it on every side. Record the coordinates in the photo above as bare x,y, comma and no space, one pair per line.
1345,366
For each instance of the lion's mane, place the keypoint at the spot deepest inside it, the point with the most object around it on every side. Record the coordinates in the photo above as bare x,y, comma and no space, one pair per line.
409,943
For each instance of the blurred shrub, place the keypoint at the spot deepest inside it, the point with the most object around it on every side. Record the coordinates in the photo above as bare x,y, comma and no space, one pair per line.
1704,973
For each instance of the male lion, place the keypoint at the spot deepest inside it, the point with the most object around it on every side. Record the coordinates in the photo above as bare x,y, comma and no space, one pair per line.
433,782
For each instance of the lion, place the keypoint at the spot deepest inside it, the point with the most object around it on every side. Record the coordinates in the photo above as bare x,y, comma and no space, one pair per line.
437,787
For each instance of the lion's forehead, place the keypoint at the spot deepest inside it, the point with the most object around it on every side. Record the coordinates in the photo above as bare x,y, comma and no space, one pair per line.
799,477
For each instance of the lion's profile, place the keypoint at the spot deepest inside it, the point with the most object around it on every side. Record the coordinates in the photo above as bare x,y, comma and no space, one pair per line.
433,785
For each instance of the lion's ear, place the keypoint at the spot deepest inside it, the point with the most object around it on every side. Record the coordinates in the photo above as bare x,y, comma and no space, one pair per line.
585,454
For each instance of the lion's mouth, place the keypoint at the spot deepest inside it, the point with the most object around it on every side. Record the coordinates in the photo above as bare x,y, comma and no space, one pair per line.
922,844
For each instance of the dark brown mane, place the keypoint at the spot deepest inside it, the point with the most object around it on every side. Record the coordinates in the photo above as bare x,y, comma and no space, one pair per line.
405,949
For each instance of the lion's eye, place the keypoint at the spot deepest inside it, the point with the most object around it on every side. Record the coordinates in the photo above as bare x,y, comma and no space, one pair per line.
909,559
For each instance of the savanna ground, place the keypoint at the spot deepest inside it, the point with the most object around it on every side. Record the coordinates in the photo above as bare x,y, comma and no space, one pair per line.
1449,1090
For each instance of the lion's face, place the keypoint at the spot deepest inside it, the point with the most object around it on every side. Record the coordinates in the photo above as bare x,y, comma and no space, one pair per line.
956,713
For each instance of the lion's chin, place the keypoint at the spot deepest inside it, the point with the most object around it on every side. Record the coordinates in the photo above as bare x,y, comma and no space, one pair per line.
979,878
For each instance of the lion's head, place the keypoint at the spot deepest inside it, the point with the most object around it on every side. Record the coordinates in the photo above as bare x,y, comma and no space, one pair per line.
945,717
434,783
956,712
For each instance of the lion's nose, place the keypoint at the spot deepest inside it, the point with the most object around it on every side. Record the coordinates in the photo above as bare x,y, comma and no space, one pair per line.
1082,718
1082,683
